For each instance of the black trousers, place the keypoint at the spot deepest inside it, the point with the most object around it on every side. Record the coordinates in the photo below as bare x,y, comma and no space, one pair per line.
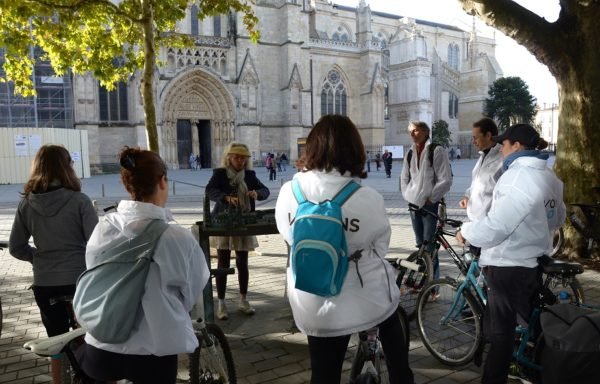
103,365
510,292
55,317
327,354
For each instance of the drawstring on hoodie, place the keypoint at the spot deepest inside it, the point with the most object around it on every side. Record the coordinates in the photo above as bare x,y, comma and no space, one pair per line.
356,256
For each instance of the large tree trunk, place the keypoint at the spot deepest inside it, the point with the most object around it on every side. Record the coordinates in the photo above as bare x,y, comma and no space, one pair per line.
570,47
148,76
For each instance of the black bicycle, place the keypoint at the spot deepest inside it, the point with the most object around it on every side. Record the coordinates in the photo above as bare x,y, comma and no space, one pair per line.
367,367
416,269
212,362
584,218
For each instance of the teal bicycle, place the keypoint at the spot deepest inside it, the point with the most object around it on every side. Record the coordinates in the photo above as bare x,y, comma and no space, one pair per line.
450,313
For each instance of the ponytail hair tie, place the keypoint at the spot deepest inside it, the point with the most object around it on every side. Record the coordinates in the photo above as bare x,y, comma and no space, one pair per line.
128,162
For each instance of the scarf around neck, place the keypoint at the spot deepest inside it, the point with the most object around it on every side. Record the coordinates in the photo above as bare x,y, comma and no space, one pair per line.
236,180
528,152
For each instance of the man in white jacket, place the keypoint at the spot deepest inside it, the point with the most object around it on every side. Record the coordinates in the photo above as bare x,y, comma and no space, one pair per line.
426,177
527,206
485,174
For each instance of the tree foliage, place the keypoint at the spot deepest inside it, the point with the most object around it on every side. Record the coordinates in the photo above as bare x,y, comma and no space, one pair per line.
510,102
88,35
440,133
570,48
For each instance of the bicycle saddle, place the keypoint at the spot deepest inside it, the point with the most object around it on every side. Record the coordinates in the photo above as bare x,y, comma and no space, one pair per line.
53,345
556,267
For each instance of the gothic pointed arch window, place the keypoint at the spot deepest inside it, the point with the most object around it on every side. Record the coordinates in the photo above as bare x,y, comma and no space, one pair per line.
194,20
334,95
386,102
112,104
341,34
453,56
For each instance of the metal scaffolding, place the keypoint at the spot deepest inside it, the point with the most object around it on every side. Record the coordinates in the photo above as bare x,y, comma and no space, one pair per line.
51,108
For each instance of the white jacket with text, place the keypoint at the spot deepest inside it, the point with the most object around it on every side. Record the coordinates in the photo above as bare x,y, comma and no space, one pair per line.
355,308
527,207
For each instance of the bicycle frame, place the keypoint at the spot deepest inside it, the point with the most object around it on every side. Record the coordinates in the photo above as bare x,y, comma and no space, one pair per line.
469,283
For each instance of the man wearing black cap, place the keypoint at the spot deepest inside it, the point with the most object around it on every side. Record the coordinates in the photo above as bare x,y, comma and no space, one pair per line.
527,206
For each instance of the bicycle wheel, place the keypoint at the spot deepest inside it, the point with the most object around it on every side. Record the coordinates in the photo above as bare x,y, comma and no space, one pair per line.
372,370
66,371
411,282
405,326
212,361
557,241
452,333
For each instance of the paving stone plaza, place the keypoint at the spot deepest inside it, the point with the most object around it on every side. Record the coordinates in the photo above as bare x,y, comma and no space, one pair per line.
264,348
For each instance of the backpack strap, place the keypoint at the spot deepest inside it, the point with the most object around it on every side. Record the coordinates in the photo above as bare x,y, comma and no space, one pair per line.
345,193
298,194
431,149
150,234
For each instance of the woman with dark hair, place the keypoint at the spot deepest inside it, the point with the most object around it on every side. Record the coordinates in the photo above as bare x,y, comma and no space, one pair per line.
60,219
175,281
527,206
334,156
234,186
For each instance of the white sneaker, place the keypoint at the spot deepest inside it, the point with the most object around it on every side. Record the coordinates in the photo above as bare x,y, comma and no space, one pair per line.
222,312
245,308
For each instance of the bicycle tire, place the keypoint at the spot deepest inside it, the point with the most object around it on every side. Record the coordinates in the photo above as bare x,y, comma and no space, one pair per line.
558,240
206,367
404,323
411,282
453,342
361,358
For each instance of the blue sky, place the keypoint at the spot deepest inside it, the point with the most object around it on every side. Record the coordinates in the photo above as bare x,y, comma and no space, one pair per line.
514,59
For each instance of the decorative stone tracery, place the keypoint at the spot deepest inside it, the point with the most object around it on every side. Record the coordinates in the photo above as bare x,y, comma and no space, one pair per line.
196,95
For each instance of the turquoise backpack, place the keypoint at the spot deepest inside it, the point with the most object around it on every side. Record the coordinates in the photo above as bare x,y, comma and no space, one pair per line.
319,256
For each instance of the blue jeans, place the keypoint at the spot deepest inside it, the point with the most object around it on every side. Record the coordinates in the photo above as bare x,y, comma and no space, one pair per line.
424,226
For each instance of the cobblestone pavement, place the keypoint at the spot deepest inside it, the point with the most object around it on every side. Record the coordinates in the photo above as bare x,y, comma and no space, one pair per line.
265,349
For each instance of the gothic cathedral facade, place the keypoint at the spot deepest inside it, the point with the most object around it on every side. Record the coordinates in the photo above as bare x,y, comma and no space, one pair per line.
313,58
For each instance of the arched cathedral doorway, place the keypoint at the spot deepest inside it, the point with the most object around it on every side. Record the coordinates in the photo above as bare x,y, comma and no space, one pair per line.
197,118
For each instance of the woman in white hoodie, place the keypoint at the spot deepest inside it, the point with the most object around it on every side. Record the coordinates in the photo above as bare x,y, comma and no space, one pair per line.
335,155
175,281
527,206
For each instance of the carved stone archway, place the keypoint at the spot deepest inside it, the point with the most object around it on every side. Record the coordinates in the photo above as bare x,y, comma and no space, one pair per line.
194,95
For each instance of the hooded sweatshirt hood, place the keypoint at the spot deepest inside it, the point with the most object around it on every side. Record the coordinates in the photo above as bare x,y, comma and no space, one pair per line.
48,204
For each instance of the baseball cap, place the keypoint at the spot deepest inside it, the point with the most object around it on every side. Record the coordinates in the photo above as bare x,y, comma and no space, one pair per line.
523,133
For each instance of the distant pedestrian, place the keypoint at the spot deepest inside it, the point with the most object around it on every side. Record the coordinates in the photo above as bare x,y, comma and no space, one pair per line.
284,161
273,169
369,158
278,161
452,153
198,161
378,161
458,153
387,163
192,161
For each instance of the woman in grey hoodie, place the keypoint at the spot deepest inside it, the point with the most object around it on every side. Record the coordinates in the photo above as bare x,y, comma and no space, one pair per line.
60,219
